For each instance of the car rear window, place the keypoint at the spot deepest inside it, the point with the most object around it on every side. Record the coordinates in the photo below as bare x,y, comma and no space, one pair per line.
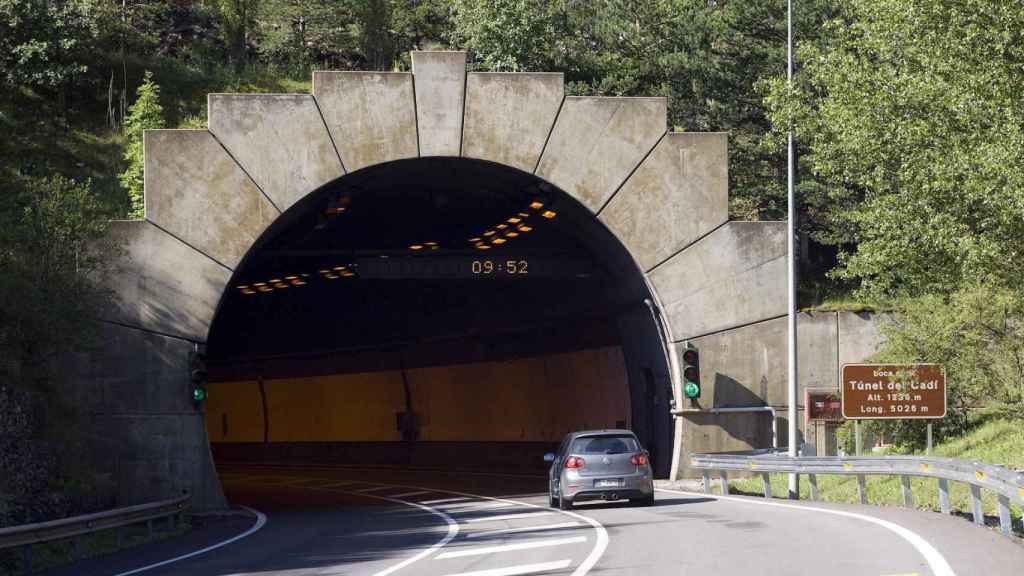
605,445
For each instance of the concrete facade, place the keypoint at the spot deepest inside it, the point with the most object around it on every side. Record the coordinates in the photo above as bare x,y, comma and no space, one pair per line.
279,139
371,115
210,194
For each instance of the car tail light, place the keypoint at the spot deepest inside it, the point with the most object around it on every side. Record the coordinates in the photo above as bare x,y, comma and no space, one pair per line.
639,459
574,462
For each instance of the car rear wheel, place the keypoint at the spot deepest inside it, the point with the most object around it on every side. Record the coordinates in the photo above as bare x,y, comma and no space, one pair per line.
564,503
552,501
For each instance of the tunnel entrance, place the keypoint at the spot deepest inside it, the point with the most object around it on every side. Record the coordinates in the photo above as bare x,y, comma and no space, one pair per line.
438,312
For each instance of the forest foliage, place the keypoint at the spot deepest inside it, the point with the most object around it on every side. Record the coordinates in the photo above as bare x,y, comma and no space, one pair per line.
908,116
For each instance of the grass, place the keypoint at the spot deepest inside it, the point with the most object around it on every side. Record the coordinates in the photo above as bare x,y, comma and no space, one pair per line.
998,442
54,554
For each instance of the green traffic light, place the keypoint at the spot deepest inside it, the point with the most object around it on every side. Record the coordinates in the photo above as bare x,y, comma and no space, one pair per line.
692,390
198,394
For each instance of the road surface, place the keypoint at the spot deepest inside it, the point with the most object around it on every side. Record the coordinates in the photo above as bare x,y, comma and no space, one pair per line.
339,521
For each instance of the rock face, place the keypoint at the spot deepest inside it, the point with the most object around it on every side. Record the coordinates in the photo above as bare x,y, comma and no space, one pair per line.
211,194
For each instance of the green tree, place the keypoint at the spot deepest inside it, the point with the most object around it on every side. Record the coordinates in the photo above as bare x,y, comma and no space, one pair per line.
144,114
914,119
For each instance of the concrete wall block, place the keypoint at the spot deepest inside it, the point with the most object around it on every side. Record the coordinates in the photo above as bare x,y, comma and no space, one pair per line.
509,115
597,142
371,115
679,193
736,275
440,93
859,336
280,140
198,193
161,284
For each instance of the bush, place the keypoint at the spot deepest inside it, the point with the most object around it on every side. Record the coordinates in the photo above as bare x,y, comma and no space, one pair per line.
977,333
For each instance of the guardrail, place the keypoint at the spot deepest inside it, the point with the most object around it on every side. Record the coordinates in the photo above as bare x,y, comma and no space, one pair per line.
27,535
1007,484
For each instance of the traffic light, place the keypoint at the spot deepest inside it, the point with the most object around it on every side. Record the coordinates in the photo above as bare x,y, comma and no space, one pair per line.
691,372
197,375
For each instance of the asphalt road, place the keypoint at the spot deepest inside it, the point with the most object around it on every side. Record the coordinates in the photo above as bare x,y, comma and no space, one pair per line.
337,521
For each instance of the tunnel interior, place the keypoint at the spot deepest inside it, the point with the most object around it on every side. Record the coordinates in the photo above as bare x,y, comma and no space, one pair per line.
441,312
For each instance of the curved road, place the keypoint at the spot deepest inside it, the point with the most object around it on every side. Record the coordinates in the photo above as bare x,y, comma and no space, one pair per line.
334,521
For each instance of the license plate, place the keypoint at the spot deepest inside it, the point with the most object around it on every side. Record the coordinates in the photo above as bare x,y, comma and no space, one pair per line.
614,483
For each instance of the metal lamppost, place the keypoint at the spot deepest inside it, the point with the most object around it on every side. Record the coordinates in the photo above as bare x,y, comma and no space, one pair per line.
794,484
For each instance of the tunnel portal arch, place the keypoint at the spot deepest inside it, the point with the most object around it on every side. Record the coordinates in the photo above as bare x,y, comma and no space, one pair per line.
210,195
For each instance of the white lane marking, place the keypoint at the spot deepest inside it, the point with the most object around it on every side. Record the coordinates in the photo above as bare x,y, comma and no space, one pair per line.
441,500
373,489
261,520
521,569
515,516
510,547
542,527
474,506
932,556
416,493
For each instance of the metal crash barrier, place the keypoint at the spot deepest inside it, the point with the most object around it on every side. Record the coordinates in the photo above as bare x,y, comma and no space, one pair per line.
27,535
1008,485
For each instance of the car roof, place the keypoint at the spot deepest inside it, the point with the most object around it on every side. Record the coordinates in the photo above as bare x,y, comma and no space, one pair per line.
604,432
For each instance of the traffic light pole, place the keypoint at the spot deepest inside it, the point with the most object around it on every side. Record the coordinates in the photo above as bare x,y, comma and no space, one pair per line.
794,483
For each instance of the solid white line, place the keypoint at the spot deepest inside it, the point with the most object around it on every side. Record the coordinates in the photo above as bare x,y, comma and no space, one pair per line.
261,520
935,560
509,547
521,569
374,489
507,516
522,529
442,500
453,530
417,493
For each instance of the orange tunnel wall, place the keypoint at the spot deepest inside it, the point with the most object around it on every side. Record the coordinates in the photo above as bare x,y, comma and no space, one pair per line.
529,400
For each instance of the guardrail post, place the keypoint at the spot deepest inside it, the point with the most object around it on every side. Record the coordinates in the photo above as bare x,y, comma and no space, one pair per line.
813,481
766,483
908,496
1005,522
944,496
707,482
860,489
976,511
28,559
725,483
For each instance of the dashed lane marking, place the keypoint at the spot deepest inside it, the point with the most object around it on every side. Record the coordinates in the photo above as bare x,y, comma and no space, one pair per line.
521,569
516,516
510,547
542,527
474,506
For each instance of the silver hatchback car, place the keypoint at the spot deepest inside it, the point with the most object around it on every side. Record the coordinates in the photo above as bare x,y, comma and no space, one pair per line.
600,465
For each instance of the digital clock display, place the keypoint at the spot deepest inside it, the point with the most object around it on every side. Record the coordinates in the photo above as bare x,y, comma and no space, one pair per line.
457,267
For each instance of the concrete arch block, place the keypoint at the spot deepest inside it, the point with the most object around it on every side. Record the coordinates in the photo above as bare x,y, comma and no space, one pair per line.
597,142
371,115
679,193
197,192
279,139
162,285
440,96
509,116
734,276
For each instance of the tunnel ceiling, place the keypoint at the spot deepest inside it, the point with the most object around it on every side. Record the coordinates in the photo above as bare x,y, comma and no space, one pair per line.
428,250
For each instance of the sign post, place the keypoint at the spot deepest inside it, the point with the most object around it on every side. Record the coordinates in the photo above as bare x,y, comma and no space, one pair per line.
893,392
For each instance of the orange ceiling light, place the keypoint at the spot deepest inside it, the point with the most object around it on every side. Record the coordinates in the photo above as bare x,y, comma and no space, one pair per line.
536,204
348,274
524,228
416,247
475,239
549,214
248,291
499,241
482,247
514,220
489,233
524,215
511,234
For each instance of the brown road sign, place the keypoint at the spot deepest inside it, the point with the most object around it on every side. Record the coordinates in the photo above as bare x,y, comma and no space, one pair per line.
893,391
